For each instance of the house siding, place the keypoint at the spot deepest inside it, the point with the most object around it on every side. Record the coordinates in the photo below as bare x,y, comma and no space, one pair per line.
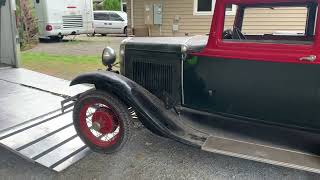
293,19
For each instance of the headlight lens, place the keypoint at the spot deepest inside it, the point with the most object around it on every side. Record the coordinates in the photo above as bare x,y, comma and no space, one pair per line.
184,48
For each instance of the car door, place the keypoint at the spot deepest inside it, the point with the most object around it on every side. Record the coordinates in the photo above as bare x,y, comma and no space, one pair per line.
116,23
100,23
259,77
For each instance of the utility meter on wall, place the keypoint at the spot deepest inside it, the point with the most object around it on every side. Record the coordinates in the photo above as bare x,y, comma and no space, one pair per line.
148,14
157,17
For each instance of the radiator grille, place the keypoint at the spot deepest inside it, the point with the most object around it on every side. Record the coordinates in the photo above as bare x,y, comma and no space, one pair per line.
72,21
156,78
158,72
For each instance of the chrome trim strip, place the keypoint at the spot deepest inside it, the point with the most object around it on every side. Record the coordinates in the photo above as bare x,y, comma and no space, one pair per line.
182,83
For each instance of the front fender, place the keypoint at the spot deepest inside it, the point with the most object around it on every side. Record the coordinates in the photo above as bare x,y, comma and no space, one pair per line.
146,104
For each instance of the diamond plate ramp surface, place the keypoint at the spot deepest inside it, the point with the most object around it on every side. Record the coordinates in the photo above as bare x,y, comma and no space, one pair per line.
50,140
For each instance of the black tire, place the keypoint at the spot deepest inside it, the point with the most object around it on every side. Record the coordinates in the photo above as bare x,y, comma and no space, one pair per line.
125,31
103,34
120,109
91,35
56,38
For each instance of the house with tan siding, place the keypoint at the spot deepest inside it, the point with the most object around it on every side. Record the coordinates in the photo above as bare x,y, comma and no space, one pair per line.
193,17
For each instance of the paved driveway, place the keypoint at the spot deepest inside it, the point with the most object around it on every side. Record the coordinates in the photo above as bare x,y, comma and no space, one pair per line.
148,156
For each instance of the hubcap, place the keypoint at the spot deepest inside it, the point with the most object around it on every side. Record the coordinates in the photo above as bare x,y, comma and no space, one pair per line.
100,124
103,121
96,126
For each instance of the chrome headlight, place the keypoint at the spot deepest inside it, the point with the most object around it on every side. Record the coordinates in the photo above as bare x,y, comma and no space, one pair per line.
184,48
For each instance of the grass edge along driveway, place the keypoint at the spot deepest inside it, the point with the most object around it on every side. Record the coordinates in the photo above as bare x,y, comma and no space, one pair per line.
62,66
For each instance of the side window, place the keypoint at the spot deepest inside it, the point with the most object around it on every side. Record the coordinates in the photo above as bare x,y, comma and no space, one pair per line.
101,17
282,20
115,17
272,24
98,16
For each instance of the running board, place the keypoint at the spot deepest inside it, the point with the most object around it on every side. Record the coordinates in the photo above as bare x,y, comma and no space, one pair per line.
49,140
262,153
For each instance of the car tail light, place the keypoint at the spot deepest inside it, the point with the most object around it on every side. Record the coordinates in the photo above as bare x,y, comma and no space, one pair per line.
49,28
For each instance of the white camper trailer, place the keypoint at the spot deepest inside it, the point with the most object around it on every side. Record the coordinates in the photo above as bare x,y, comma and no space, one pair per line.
58,18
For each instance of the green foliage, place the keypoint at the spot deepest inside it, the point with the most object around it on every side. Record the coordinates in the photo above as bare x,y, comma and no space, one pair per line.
112,5
97,7
27,17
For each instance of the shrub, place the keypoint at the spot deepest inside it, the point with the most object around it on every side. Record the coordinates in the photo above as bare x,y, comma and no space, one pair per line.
112,5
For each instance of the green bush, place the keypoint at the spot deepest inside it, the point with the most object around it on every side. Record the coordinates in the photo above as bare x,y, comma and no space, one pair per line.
112,5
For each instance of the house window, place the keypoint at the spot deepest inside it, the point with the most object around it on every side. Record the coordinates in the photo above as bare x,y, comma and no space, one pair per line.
231,9
206,7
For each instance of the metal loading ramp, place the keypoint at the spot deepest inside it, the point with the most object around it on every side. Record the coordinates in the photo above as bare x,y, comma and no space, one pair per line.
32,123
50,140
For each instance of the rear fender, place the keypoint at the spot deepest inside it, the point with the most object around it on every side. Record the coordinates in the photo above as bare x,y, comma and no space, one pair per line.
146,104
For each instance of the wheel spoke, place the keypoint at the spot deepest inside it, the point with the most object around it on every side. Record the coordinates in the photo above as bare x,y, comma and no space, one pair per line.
109,126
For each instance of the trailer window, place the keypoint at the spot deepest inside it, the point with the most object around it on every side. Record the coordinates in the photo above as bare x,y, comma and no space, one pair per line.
273,24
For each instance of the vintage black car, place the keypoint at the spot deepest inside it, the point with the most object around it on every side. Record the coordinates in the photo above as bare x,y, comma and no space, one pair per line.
253,96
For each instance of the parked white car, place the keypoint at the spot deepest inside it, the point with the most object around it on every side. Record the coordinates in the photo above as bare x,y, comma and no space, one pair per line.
110,22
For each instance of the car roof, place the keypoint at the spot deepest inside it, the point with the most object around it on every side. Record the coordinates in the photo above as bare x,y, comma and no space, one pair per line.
121,13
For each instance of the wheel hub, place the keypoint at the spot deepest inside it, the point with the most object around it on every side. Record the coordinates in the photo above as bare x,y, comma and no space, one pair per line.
96,126
103,121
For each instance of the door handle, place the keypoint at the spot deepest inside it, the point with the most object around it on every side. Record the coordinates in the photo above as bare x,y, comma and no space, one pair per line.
310,58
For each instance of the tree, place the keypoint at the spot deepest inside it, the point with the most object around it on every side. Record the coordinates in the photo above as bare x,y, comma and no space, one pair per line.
27,24
112,5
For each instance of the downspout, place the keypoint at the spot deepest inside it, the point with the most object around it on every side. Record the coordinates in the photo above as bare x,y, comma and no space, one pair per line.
132,23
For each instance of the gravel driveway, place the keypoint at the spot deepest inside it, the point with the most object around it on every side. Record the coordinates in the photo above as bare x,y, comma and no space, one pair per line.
81,45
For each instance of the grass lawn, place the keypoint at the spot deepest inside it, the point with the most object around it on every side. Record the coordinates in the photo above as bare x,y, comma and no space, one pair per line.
62,66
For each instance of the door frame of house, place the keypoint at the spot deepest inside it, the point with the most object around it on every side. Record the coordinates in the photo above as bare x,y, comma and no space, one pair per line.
11,8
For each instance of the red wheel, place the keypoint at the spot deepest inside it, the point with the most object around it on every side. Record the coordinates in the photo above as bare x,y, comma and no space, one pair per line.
102,121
